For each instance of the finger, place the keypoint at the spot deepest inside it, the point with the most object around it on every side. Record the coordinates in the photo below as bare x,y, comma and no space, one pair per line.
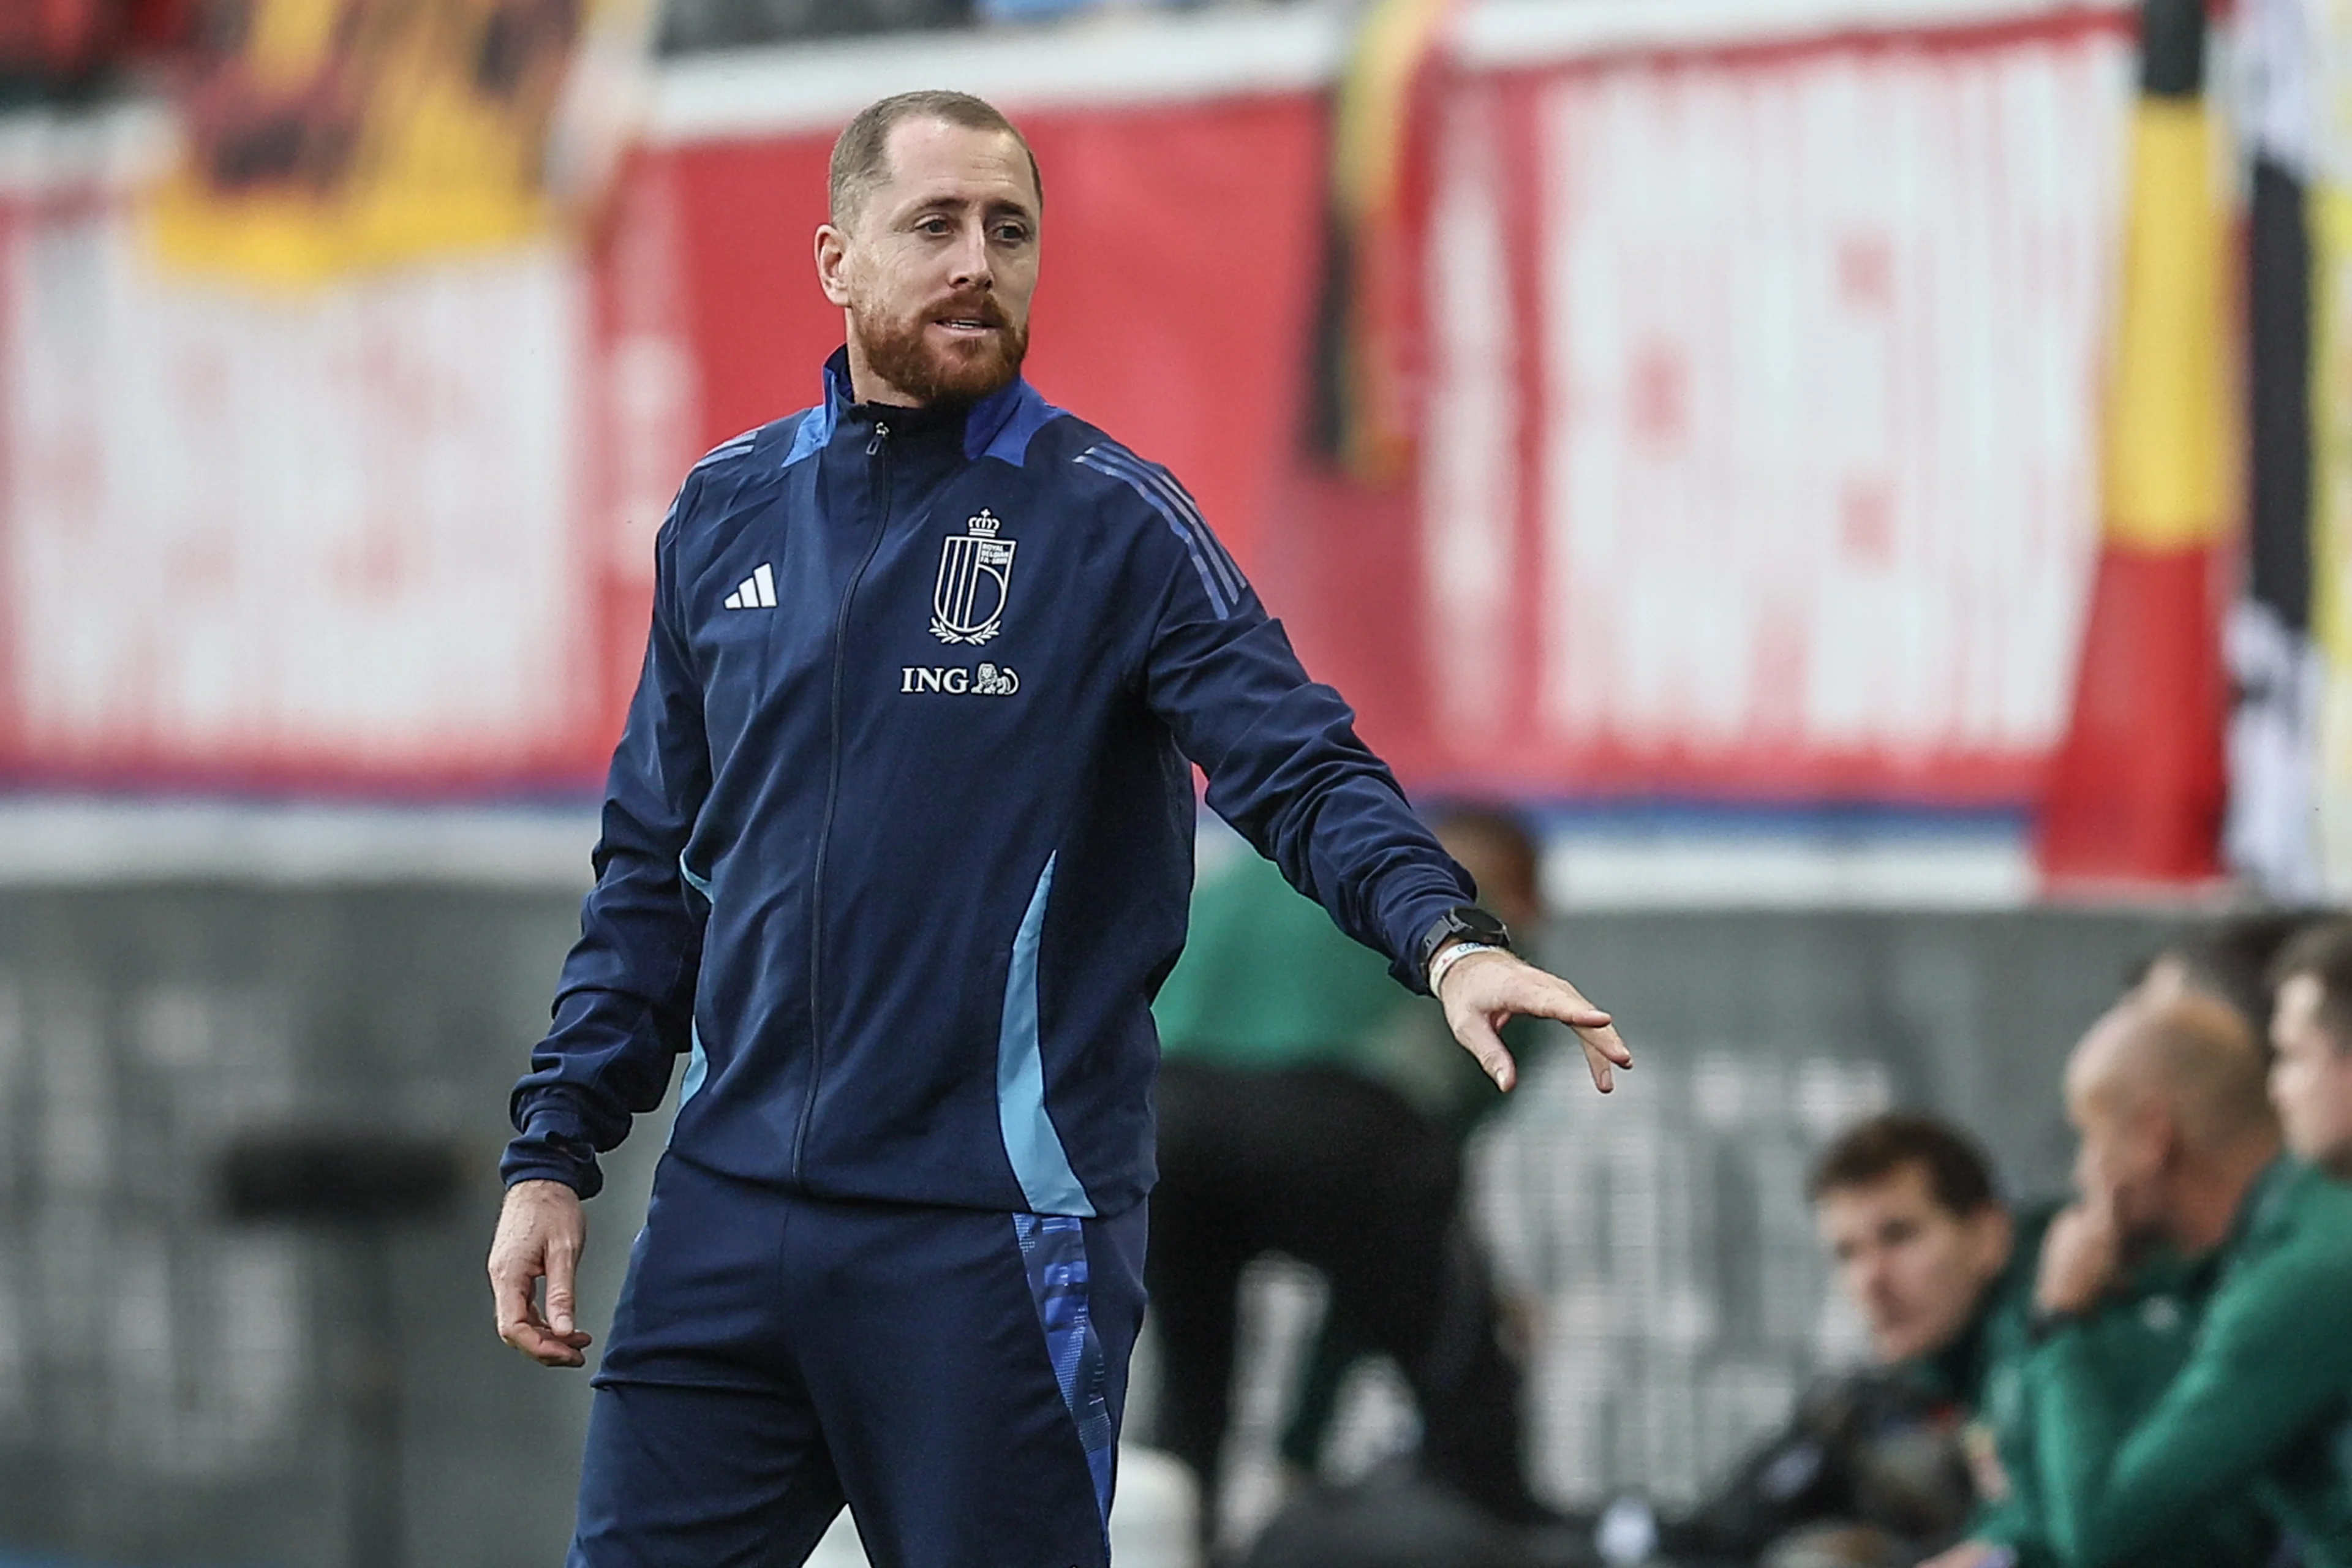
1604,1039
562,1260
510,1296
1572,1009
550,1350
1599,1061
1560,1001
520,1325
1478,1038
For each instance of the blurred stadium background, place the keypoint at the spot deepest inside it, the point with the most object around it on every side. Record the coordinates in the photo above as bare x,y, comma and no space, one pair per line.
1873,475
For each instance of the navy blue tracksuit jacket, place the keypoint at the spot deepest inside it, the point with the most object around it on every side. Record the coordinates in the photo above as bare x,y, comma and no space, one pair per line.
898,844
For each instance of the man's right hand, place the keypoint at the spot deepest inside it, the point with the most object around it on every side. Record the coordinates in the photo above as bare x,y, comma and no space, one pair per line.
1973,1554
2080,1254
541,1234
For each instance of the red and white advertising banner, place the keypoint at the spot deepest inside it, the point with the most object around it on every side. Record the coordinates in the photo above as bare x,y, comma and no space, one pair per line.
347,540
1761,388
1760,452
334,542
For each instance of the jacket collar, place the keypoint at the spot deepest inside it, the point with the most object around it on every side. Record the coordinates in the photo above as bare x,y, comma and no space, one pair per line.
980,425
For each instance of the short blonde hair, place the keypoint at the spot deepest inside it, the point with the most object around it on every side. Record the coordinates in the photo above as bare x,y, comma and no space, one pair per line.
861,155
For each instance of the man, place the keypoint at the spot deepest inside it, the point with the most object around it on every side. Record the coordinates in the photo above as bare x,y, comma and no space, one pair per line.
2229,958
1305,1108
1882,1465
2178,1142
1872,1468
2310,1036
896,848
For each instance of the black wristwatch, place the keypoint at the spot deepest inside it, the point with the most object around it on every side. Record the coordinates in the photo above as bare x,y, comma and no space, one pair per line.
1463,922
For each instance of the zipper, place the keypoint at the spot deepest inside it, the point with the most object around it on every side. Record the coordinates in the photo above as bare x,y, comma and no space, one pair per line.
877,448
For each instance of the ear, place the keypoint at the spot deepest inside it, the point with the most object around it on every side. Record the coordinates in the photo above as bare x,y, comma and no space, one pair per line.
832,264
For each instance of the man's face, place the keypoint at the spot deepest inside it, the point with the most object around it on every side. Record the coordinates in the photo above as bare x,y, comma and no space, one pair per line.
1915,1268
937,266
2311,1078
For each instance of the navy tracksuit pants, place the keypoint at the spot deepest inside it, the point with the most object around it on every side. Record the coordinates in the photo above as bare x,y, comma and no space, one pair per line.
955,1376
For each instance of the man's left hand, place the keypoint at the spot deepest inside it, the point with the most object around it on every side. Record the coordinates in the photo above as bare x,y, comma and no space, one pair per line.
1483,991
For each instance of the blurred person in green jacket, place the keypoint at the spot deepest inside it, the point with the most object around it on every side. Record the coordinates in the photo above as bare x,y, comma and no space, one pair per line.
2310,1042
1882,1464
1305,1107
2229,958
2180,1143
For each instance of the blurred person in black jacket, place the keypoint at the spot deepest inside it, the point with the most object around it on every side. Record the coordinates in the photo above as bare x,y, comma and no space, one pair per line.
1874,1467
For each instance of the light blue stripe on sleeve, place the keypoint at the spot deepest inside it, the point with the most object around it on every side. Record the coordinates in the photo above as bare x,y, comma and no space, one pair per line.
1039,1161
1143,475
698,1067
1094,459
697,1064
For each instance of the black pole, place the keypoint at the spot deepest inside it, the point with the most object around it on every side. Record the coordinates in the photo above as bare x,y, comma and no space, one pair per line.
373,1483
359,1185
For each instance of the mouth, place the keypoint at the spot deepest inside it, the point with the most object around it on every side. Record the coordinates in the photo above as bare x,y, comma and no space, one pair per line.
964,326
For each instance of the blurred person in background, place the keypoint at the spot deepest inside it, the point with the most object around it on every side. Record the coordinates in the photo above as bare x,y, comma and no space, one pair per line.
2229,958
2311,1064
1874,1467
1883,1464
1306,1108
2180,1145
896,849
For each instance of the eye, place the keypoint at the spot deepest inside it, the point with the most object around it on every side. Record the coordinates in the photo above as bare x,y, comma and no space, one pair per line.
1011,234
936,226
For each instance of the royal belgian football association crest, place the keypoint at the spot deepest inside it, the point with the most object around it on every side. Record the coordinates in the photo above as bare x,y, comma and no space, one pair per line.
975,575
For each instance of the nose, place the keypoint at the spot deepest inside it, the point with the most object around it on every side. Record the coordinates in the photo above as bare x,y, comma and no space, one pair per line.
1866,1277
971,265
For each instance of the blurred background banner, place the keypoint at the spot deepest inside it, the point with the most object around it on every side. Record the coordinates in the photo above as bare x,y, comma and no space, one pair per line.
1735,428
1760,426
323,135
1760,456
363,539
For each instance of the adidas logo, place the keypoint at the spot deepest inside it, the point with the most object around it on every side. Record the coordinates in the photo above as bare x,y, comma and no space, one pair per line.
757,591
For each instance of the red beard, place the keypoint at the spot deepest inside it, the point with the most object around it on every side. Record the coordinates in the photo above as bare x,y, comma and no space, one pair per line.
901,353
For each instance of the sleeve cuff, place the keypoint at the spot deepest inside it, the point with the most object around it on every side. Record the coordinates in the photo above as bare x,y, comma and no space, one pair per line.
545,1152
1421,913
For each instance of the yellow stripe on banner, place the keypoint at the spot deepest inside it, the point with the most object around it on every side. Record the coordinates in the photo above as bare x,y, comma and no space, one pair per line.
2329,212
2170,464
1368,140
2329,209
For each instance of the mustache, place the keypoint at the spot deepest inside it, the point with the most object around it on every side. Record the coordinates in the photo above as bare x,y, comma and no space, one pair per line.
981,308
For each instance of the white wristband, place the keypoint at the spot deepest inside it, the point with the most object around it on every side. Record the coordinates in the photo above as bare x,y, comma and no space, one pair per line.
1454,955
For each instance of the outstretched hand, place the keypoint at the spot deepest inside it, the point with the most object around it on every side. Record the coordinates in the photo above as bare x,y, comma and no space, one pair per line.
541,1232
1483,991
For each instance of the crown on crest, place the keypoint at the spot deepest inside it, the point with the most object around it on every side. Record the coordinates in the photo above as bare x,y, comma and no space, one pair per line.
983,525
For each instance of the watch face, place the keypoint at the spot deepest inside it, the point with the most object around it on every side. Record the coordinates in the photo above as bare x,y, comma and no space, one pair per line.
1479,926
